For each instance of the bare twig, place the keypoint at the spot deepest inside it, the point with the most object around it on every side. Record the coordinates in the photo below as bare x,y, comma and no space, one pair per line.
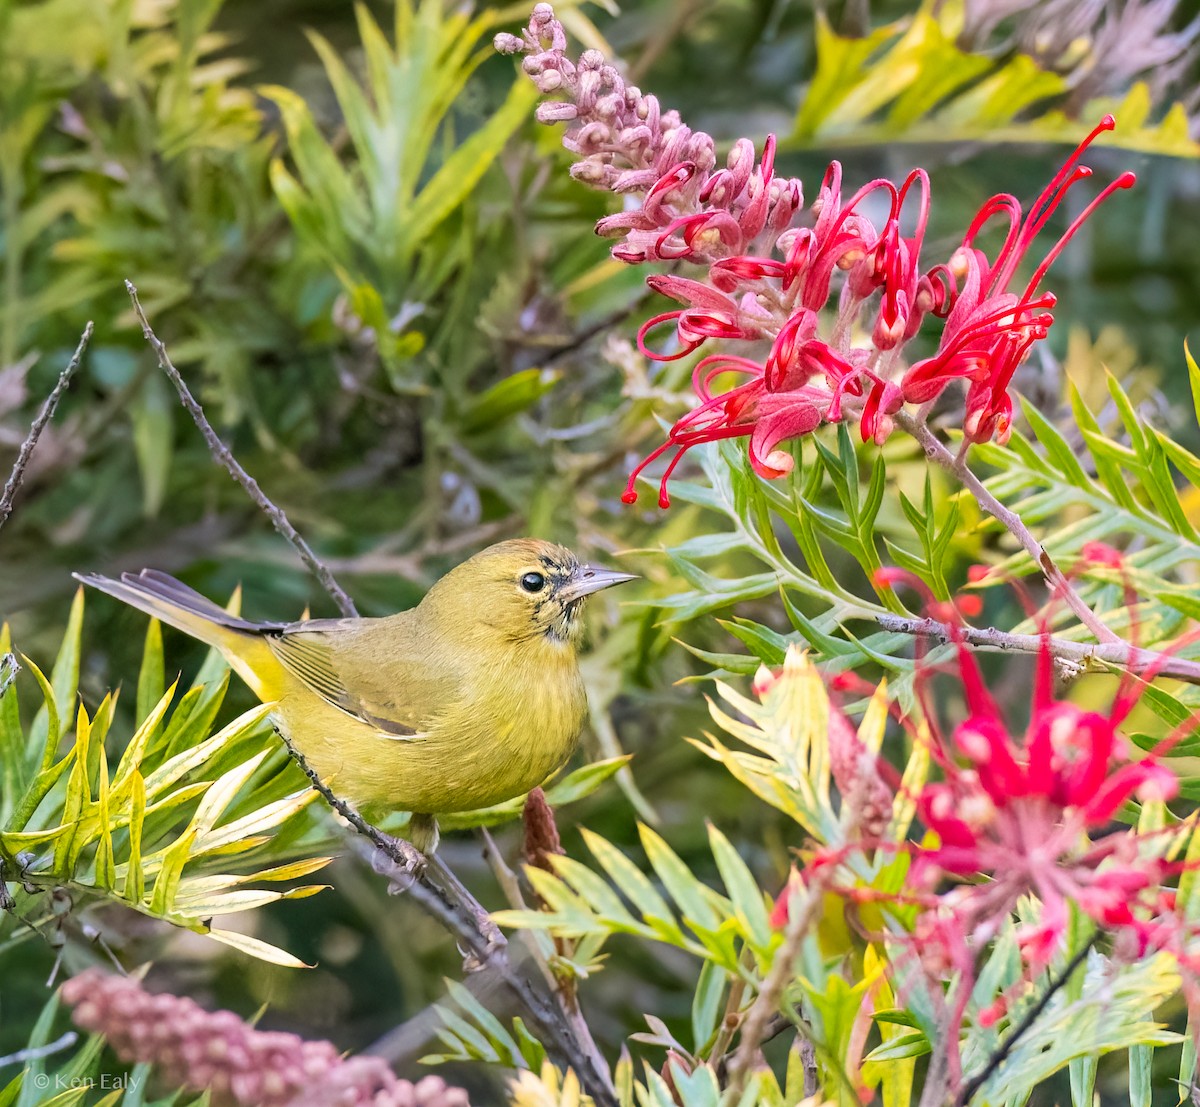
1118,654
225,457
39,424
972,1086
956,465
22,1056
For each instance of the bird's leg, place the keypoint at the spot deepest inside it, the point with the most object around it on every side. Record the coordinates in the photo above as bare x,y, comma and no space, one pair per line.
423,832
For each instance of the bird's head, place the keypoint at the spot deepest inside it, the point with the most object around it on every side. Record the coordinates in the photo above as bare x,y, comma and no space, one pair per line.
522,590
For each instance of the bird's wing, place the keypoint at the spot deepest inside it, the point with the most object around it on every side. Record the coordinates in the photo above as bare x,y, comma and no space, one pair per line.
334,658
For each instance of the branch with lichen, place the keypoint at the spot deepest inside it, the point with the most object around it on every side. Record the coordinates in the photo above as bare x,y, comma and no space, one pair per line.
39,424
1068,655
956,466
1109,648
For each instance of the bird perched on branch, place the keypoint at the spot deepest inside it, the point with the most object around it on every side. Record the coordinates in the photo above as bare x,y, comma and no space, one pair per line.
470,698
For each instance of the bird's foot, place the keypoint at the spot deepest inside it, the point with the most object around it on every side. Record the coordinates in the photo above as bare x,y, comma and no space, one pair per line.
398,860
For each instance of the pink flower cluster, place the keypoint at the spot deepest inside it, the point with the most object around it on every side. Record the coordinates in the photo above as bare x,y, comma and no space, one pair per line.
218,1052
767,274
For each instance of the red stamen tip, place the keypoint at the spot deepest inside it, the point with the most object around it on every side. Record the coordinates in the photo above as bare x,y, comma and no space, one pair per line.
970,606
664,501
629,496
1101,553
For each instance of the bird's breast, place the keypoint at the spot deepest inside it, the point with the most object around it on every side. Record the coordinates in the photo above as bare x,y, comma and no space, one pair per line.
507,728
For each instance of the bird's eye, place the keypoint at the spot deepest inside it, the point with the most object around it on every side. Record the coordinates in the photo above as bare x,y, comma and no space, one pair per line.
533,582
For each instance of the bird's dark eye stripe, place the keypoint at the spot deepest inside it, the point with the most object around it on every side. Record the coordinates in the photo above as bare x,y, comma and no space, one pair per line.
533,582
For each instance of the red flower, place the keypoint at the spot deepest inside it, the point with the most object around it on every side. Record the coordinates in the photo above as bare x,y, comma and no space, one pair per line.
766,280
989,329
1033,817
747,411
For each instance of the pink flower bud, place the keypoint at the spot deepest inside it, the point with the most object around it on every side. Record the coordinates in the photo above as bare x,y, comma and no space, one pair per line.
556,112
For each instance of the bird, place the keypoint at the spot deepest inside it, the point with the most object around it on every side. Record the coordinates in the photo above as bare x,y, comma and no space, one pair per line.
471,698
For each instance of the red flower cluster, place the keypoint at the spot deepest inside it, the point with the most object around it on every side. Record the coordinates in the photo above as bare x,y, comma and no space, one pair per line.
767,281
1025,814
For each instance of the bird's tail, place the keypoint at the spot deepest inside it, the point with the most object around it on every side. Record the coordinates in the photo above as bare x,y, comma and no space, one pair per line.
177,605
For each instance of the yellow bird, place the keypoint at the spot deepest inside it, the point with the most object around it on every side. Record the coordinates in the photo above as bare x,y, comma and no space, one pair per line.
470,698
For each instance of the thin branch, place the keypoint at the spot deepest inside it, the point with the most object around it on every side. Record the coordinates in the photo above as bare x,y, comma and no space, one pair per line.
39,424
1119,654
223,455
452,905
972,1086
552,1024
1010,520
22,1056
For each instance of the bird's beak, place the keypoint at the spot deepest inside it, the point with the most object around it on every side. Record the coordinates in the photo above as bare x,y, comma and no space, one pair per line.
588,579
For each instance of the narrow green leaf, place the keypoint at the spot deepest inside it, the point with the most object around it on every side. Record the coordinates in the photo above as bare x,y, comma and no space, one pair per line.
257,948
15,770
134,889
105,872
743,889
679,881
706,1005
64,679
629,879
152,675
51,734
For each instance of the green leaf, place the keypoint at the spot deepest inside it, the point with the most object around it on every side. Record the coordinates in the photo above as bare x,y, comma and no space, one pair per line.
683,887
576,785
706,1005
152,676
629,879
748,899
152,412
64,679
257,948
506,398
15,771
453,182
